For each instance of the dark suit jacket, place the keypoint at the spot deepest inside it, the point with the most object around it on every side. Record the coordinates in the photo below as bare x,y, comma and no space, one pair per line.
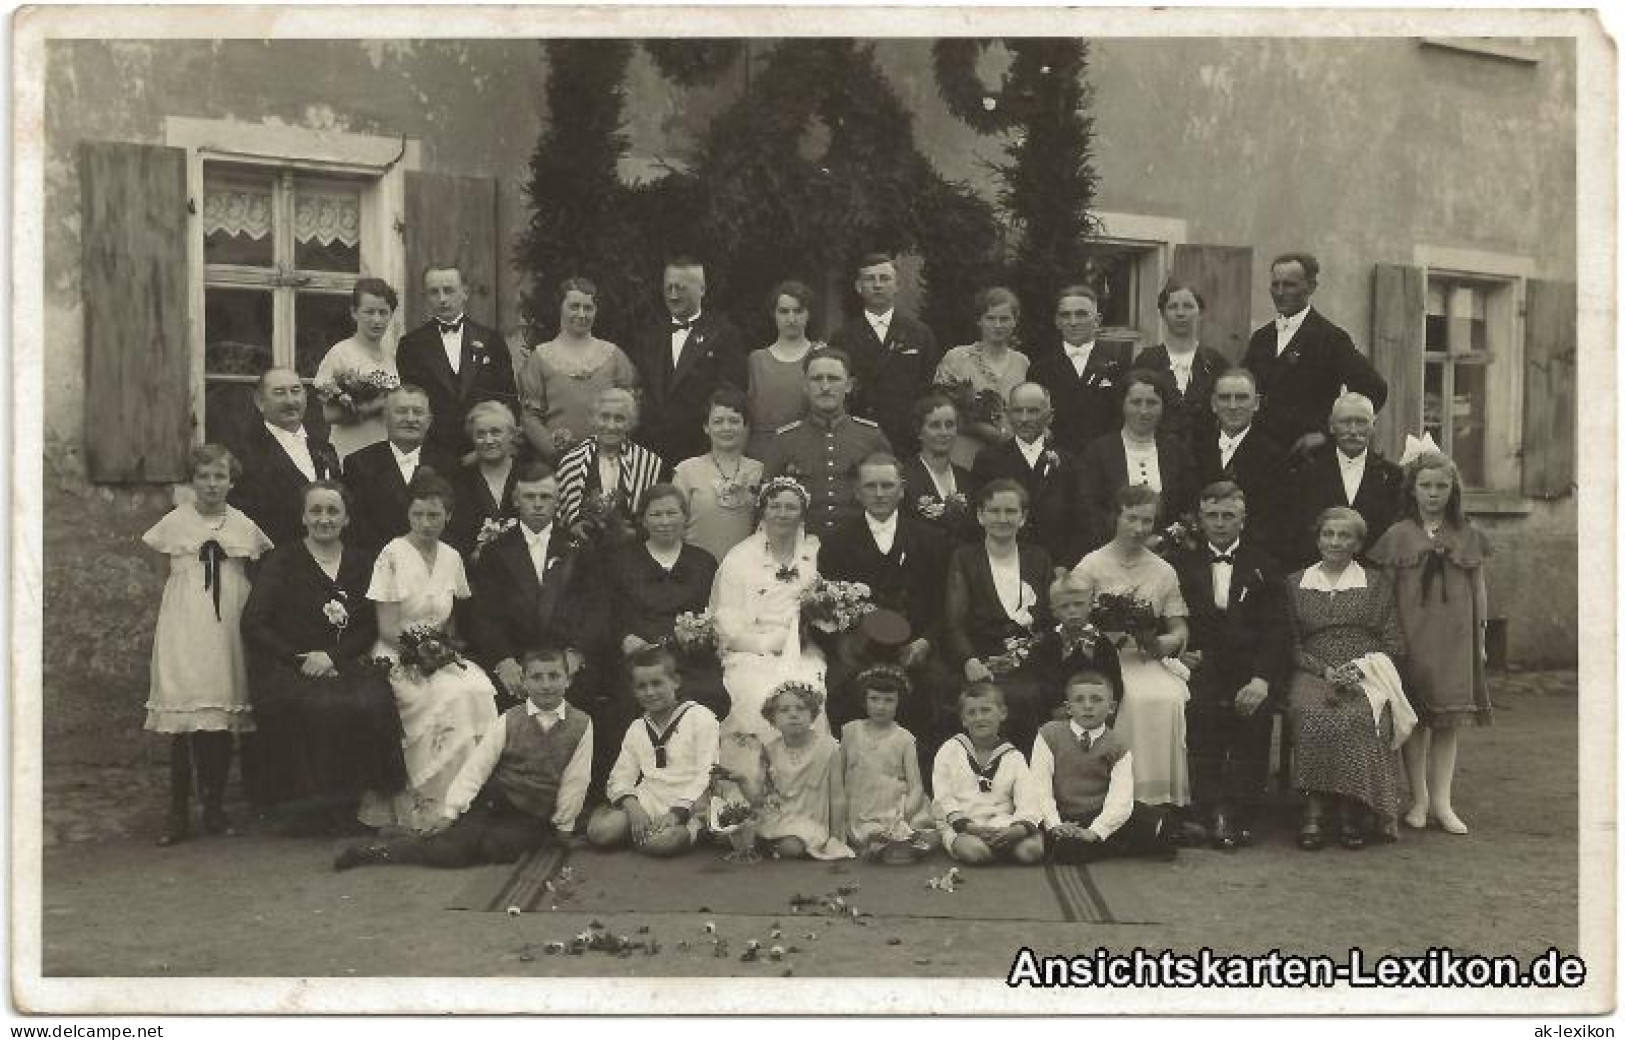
1086,406
1319,485
674,403
909,580
1250,637
268,491
1189,416
976,624
1104,468
917,483
512,609
378,494
485,373
1055,518
1259,468
1298,388
890,376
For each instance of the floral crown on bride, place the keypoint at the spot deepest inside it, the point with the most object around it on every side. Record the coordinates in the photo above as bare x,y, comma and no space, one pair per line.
777,484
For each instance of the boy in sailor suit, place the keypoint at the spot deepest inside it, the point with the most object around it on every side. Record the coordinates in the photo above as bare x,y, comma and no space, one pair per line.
984,806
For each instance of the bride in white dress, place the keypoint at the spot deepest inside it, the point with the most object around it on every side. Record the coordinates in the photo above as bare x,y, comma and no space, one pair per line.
757,602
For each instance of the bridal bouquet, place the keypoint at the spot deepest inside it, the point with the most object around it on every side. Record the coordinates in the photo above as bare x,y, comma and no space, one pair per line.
835,606
1128,613
352,391
695,632
427,650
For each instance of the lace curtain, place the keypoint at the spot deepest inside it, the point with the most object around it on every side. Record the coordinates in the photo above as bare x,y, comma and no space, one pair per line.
320,217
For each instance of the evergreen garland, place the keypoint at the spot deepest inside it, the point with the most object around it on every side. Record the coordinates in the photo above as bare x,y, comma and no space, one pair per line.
693,63
967,97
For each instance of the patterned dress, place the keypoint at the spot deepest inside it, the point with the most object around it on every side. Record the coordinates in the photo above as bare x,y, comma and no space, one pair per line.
1339,749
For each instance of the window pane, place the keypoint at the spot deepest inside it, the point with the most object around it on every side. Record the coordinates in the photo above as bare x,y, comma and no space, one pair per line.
321,320
237,221
1468,412
327,226
1111,271
236,331
1433,402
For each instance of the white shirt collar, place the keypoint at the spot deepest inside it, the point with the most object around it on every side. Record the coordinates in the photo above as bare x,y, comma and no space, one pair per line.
879,321
1094,735
1031,452
1353,577
405,456
285,436
886,526
1291,322
557,714
1227,440
541,537
1078,349
1356,461
1230,551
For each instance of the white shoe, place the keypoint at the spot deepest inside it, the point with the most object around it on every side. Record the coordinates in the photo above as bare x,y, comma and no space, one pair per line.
1417,818
1449,822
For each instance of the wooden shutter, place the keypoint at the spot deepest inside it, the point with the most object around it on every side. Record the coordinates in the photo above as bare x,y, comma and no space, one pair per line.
133,279
1224,277
1398,341
450,218
1548,389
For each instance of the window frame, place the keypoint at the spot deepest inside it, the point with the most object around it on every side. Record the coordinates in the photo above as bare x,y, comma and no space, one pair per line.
1154,239
1504,279
379,163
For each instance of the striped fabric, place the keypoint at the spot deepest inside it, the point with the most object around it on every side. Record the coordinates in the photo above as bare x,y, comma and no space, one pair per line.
641,469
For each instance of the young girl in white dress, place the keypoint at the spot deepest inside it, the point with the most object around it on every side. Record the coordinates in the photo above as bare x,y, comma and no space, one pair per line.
885,794
199,692
798,787
443,715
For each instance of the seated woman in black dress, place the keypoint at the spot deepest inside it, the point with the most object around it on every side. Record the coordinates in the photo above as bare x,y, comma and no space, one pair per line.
998,589
327,720
655,580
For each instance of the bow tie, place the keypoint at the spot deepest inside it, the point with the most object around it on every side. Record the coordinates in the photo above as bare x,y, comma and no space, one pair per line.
449,327
682,324
1218,557
1283,323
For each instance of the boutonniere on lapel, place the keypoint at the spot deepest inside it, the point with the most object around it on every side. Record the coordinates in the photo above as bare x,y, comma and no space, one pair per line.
1101,379
1049,462
478,354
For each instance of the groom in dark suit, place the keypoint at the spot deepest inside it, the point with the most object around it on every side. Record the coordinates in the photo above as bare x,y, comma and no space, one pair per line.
279,458
894,357
904,561
456,359
1242,656
377,475
1083,376
531,585
1302,361
1238,451
681,364
1055,515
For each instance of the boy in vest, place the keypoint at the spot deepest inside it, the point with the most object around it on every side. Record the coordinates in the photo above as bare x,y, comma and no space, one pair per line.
523,783
1083,775
664,767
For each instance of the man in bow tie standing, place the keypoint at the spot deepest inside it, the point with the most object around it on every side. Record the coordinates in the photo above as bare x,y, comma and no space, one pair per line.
894,357
1240,655
1083,374
1302,361
456,359
682,361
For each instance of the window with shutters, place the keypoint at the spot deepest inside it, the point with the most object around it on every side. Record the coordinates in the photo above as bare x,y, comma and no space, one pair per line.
1468,398
286,220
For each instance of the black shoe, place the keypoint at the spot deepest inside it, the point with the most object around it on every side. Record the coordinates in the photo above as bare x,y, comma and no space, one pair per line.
1221,835
177,828
359,856
1310,837
215,822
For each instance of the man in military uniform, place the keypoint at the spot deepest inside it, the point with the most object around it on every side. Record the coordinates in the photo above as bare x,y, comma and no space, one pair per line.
824,449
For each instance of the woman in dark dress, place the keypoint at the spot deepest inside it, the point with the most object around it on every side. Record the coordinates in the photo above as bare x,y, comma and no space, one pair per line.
1142,452
326,716
998,589
484,487
934,488
655,580
1188,366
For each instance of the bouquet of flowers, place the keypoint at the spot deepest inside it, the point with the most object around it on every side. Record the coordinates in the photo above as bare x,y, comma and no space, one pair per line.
733,816
1347,679
603,521
695,632
973,405
835,606
492,528
427,650
1127,613
1016,651
950,508
1181,534
1077,640
352,392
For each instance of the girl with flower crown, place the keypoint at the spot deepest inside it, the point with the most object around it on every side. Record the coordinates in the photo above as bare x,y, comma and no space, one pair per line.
756,600
1436,557
328,730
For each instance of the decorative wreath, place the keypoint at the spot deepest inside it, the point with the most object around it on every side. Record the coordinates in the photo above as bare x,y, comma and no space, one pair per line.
693,63
967,97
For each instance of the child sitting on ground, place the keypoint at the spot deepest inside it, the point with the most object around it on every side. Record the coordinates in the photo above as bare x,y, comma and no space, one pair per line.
1083,775
885,795
522,784
798,791
984,805
664,766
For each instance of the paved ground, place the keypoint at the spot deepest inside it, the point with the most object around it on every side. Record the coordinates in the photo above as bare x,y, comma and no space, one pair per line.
113,904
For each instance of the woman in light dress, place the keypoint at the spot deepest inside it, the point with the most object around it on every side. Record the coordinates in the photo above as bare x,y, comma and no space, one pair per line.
777,392
721,485
560,382
757,602
415,582
991,363
371,349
